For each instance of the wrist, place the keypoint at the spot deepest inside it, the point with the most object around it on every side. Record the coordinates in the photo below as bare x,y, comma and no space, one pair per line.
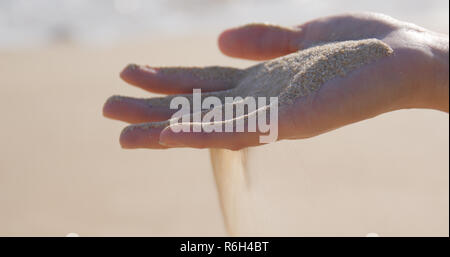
431,79
439,77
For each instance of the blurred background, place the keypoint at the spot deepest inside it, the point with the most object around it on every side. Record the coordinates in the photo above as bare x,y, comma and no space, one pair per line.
31,23
62,170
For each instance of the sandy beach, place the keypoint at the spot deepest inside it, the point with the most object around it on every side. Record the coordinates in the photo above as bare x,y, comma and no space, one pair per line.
62,169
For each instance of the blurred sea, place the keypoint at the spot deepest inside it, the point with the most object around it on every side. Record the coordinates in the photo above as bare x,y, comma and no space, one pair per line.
31,23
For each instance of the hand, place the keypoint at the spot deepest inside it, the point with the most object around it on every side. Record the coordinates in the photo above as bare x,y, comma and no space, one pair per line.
414,76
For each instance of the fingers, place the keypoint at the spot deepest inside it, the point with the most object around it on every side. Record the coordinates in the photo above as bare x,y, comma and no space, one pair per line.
234,134
147,135
137,110
231,134
144,135
178,80
259,41
140,110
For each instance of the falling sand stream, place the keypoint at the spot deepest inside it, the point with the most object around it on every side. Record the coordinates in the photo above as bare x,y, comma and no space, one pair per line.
233,185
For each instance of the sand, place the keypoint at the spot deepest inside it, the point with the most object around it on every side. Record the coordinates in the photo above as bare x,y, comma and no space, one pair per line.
62,169
233,188
304,72
226,74
317,65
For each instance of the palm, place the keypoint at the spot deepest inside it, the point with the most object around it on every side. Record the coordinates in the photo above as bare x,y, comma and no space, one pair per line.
370,90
